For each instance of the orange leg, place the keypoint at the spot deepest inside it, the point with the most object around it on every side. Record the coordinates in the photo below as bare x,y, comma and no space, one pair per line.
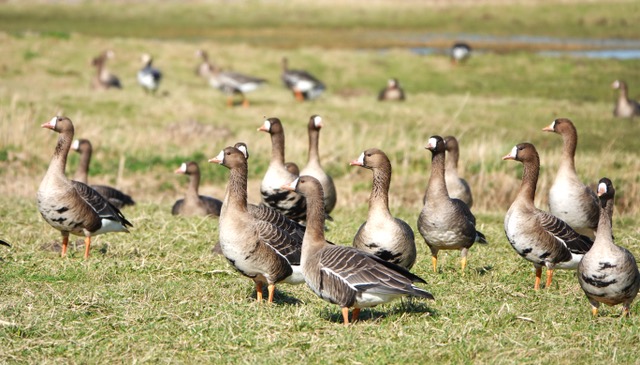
355,314
259,292
549,276
229,101
65,243
538,277
434,262
87,246
345,315
271,289
298,95
594,311
463,263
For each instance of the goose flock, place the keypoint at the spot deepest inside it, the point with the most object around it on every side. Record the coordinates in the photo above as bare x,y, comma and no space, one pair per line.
282,240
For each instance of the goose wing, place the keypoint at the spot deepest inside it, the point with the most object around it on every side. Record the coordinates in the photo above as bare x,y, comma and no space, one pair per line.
280,241
270,215
563,233
99,204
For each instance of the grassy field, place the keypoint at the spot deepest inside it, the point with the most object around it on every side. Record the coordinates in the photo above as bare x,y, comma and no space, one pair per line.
159,295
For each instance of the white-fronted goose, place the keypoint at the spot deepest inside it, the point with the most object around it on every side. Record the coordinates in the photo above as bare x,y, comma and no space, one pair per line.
382,234
114,196
194,204
104,79
204,68
234,83
569,199
287,202
71,206
304,85
608,273
536,235
149,77
314,168
460,52
343,275
257,248
393,91
625,107
445,223
457,187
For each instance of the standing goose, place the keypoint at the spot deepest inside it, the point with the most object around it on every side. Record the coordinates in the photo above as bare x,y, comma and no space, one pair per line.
445,223
149,77
234,83
457,187
114,196
536,235
104,79
608,273
343,275
569,199
193,203
314,168
287,202
71,206
257,248
393,91
203,69
460,52
304,85
381,234
625,107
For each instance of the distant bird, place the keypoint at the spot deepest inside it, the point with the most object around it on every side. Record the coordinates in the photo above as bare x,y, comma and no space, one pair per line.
570,199
608,273
538,236
204,68
393,91
257,248
625,107
234,83
304,85
104,79
194,204
457,187
445,223
460,52
149,77
4,243
382,234
71,206
314,167
286,202
343,275
113,195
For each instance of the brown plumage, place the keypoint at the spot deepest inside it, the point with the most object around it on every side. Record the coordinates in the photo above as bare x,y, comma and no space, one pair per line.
71,206
343,275
570,199
103,78
540,237
204,68
314,168
608,273
625,107
445,223
457,187
194,204
382,234
113,195
393,91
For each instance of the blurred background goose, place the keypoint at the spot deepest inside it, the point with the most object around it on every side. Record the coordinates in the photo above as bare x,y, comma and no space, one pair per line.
608,273
460,52
194,204
343,275
203,69
625,107
304,85
113,195
104,79
234,83
148,76
393,91
71,206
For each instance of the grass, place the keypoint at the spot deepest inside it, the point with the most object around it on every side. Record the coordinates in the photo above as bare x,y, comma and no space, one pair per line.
159,295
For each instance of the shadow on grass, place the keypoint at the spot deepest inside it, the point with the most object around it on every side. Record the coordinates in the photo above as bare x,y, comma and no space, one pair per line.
279,298
371,314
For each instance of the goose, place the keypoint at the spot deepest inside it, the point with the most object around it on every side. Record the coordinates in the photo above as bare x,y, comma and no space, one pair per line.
608,273
104,79
149,77
203,69
460,52
314,168
194,204
538,236
114,196
343,275
382,234
292,167
625,107
289,203
457,187
234,83
304,85
569,199
445,223
71,206
257,248
393,91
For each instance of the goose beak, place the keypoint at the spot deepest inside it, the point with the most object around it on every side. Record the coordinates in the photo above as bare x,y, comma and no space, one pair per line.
355,163
602,188
218,159
512,155
291,186
548,128
50,124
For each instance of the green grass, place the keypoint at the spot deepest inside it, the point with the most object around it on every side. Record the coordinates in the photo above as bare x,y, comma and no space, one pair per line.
159,295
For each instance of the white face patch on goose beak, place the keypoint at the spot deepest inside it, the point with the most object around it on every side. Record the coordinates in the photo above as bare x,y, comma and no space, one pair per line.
602,189
75,145
317,121
514,152
51,124
183,167
218,159
266,126
359,161
292,185
616,84
432,143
